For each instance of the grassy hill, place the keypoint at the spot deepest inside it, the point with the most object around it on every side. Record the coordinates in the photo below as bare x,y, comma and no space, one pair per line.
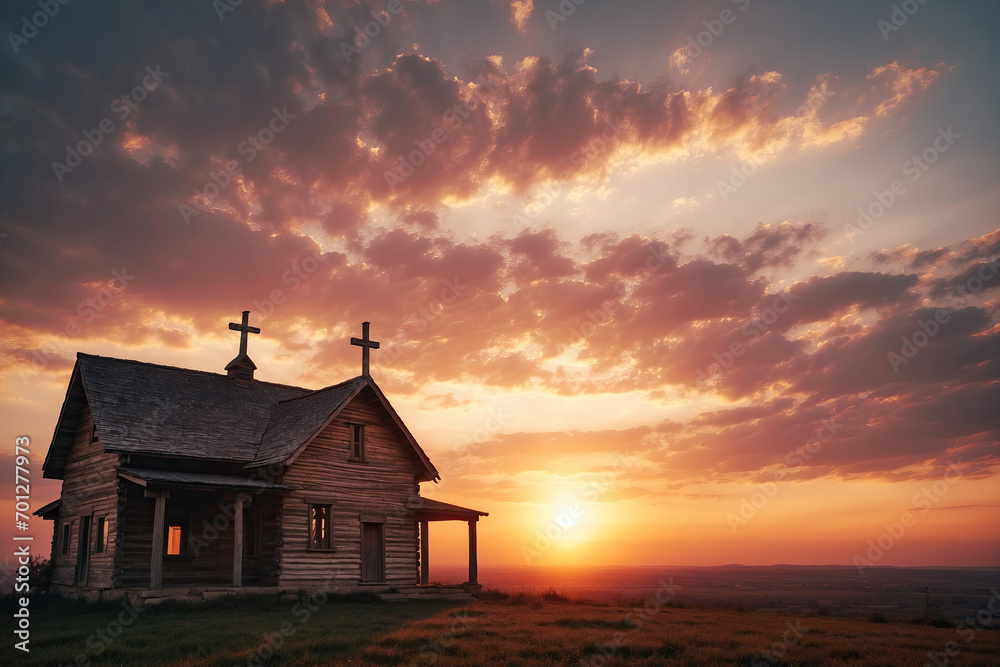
496,629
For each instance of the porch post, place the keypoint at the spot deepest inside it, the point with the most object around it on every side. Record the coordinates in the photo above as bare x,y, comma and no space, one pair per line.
159,518
473,558
238,541
424,551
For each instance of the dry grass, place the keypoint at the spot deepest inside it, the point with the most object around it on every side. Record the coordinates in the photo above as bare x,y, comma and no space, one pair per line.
522,630
497,629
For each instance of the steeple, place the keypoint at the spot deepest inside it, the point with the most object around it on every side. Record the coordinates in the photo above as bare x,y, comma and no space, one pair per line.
242,367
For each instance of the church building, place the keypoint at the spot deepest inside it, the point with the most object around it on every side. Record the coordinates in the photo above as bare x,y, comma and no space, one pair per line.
179,482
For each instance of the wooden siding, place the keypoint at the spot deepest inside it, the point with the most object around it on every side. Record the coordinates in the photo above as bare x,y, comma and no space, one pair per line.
379,488
89,488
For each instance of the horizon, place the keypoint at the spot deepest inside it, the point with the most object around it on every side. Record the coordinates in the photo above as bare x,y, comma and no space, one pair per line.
653,282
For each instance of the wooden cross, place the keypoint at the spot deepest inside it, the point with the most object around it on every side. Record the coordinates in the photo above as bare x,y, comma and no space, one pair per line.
365,343
244,329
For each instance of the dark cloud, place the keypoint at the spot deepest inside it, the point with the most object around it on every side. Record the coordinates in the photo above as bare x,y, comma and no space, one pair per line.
768,245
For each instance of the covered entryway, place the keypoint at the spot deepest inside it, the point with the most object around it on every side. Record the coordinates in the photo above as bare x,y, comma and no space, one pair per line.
198,529
427,510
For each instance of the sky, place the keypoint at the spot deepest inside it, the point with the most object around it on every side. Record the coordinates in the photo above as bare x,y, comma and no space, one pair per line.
688,283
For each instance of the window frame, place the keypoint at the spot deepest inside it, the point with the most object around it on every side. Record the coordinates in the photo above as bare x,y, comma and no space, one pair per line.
357,428
100,534
67,537
326,544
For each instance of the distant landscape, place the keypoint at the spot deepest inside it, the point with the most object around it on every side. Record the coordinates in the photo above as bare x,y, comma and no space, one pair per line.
827,589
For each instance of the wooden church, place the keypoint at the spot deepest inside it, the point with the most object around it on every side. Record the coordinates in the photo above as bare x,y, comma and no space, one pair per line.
178,481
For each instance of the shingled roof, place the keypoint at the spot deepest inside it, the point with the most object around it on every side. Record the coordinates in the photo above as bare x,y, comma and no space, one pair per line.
143,408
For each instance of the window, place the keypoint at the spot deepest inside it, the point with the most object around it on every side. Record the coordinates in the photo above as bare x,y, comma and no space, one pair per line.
251,534
174,541
93,434
320,523
101,539
357,442
67,528
177,534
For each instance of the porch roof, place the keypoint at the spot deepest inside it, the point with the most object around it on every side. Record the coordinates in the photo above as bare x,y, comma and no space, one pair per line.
49,511
434,510
197,479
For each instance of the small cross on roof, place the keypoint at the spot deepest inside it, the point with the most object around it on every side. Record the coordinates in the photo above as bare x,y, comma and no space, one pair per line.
244,328
365,344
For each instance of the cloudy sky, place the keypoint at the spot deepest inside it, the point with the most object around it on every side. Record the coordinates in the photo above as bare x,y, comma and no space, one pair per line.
669,282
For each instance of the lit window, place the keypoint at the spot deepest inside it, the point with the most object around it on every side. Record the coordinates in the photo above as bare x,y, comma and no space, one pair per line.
319,526
174,541
358,442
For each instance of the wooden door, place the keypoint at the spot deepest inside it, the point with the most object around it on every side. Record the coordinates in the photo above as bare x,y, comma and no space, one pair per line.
372,552
83,552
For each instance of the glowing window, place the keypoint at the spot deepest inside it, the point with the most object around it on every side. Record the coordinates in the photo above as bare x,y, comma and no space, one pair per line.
174,541
319,527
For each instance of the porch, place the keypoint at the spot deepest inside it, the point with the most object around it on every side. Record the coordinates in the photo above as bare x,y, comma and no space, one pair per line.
197,532
425,511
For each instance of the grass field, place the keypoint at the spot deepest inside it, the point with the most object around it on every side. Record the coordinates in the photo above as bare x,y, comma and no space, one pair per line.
498,629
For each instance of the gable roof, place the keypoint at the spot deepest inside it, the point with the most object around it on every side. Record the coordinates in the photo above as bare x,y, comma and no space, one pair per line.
143,408
297,421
